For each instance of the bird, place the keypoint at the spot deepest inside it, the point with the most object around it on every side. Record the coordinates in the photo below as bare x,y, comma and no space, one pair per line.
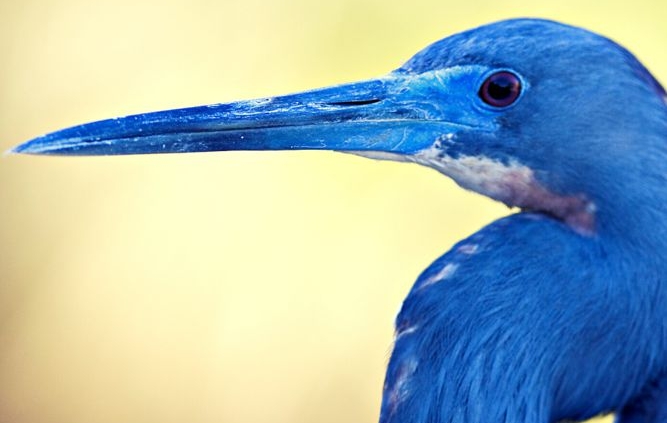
556,312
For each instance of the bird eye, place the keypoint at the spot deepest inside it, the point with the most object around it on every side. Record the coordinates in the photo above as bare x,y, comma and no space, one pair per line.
500,89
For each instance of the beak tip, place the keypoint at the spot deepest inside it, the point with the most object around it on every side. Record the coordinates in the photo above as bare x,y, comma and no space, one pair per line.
19,149
36,146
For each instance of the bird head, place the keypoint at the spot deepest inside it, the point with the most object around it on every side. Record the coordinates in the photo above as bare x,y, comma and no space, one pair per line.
532,113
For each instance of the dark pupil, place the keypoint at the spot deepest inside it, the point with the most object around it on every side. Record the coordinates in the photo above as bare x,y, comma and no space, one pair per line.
501,87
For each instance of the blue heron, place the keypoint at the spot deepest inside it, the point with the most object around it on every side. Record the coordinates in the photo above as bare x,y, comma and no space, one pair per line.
556,312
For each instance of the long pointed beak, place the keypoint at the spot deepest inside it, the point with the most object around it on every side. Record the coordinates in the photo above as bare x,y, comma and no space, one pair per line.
399,113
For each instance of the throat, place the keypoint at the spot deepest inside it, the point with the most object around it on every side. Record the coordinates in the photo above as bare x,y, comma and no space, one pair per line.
514,185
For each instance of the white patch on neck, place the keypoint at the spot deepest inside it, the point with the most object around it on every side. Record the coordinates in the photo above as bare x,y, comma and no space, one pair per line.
468,249
490,177
513,183
399,391
446,272
407,331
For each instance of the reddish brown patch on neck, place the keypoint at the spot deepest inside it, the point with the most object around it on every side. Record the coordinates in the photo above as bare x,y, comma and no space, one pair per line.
576,211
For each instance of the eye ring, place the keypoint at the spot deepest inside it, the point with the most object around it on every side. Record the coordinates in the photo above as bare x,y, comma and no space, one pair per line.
500,89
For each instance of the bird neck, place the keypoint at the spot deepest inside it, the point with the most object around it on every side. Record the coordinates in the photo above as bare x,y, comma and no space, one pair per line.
626,179
633,213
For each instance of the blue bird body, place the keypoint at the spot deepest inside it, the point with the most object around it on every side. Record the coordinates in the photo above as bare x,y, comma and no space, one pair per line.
555,313
523,339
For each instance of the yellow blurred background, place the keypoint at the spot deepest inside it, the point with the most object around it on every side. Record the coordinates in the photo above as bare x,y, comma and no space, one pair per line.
229,287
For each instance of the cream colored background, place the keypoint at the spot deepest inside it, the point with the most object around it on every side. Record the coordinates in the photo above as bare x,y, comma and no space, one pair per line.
230,287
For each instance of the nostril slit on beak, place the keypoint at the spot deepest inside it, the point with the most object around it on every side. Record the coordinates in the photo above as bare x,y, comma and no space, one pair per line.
355,102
